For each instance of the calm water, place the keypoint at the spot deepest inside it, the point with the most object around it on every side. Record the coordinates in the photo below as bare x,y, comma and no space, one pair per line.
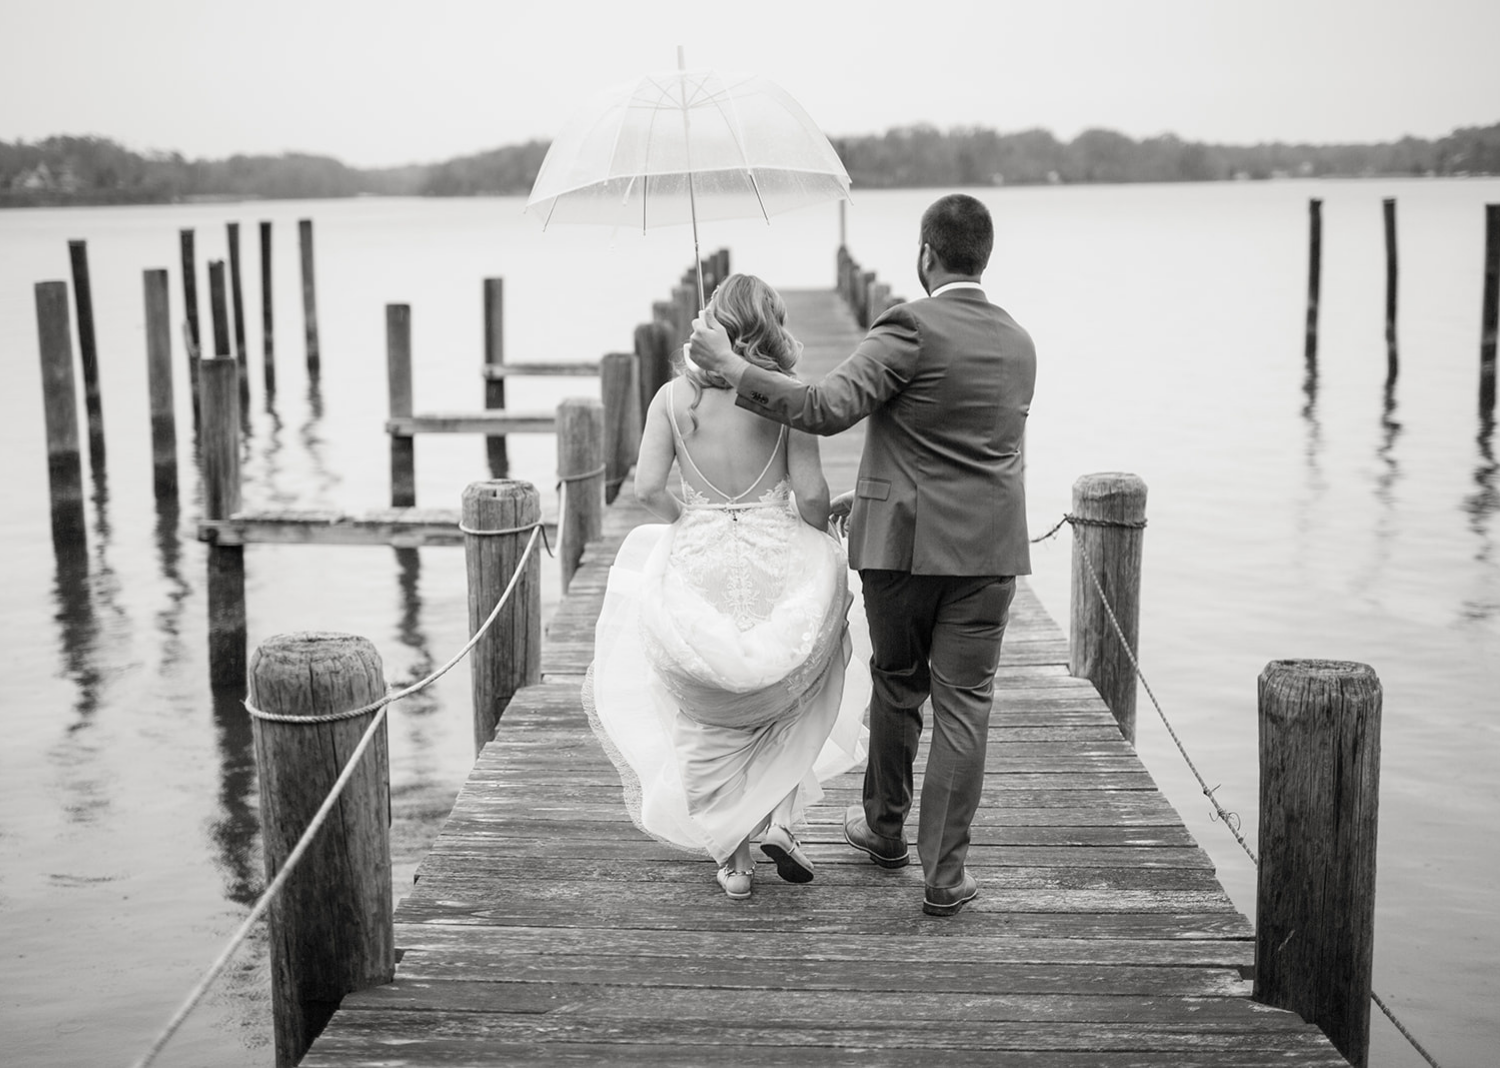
1288,519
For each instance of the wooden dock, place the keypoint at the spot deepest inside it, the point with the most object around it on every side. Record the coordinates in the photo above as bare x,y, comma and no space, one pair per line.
544,928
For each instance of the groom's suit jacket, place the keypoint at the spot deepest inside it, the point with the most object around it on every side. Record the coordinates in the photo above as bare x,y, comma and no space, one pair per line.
946,383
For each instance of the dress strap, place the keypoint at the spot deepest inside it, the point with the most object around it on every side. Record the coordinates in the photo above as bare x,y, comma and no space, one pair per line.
729,498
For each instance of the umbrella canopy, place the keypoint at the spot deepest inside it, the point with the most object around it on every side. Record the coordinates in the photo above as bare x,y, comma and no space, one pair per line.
686,145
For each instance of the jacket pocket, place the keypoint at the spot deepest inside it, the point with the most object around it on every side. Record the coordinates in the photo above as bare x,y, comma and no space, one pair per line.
875,489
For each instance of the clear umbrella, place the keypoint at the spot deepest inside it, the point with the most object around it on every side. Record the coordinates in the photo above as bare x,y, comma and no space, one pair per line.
677,147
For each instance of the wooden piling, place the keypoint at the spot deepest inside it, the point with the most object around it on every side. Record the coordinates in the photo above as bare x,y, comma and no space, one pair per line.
620,391
159,385
1319,806
1109,517
580,471
686,298
653,353
220,436
1491,310
866,286
60,414
1314,275
88,351
330,927
494,355
1392,363
190,308
498,518
219,310
398,375
267,330
237,300
309,296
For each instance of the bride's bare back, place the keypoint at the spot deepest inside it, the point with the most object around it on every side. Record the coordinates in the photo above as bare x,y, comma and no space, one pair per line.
734,453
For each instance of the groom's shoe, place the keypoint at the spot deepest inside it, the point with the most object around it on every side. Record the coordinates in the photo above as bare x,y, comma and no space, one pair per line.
887,852
791,863
948,900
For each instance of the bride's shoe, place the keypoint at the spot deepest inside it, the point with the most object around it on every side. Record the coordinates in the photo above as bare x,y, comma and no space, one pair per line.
782,846
736,883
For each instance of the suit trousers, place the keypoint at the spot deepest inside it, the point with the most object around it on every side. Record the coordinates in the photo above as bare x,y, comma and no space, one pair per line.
938,636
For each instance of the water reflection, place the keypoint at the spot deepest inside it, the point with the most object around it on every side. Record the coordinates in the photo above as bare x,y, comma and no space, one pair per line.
78,628
1312,446
312,440
169,555
1388,475
235,831
1481,507
409,632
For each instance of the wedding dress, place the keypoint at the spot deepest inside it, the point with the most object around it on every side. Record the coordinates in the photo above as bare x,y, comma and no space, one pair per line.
724,671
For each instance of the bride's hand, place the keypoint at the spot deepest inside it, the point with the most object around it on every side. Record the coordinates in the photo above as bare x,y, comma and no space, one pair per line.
838,513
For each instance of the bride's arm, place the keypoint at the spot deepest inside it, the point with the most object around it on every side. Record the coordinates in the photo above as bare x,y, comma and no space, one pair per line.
654,463
806,472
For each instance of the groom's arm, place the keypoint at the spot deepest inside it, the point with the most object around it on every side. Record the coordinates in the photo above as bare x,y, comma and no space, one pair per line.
878,369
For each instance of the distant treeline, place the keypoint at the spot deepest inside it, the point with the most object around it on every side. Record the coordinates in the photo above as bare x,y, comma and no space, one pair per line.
96,170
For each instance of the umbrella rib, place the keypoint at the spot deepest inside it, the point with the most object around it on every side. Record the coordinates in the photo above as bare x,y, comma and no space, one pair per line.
733,126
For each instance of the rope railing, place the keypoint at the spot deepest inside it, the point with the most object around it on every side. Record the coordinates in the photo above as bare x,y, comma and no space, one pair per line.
379,706
1230,819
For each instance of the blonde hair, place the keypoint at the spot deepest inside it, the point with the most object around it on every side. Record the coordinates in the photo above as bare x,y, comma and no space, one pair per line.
754,316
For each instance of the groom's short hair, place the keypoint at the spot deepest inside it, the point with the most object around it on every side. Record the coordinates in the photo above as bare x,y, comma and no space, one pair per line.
960,232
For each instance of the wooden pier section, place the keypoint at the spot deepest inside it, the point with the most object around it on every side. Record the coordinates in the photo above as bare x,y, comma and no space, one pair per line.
544,928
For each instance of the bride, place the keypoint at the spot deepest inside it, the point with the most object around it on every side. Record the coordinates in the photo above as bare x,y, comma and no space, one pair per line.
722,685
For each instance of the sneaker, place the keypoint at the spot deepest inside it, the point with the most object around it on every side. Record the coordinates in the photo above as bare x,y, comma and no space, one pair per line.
948,900
736,884
791,863
887,852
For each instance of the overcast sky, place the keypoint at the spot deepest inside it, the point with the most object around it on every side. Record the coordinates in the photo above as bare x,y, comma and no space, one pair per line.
385,82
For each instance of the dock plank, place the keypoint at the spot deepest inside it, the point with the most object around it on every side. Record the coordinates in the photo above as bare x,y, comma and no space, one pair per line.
545,928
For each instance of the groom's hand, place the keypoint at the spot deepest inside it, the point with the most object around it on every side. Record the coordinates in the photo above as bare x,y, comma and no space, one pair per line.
709,348
838,512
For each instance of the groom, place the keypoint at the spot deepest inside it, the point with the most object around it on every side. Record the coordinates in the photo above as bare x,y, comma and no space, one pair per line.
937,528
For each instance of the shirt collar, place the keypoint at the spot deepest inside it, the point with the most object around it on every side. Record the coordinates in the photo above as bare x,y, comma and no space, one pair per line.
940,290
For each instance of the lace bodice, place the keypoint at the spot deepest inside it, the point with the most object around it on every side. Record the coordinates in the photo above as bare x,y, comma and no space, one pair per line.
733,553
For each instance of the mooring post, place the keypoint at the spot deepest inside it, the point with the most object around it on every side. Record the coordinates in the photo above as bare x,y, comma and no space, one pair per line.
866,292
499,518
237,299
309,296
1109,519
398,376
219,382
580,473
60,415
159,385
686,296
843,230
722,269
620,391
218,309
88,351
190,307
653,353
267,331
494,356
1392,365
1319,807
330,927
1314,275
1491,310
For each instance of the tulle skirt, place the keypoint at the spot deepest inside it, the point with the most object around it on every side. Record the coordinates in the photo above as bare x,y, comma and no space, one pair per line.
711,725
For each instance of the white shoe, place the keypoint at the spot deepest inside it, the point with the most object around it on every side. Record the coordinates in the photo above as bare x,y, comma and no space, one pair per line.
791,863
736,884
